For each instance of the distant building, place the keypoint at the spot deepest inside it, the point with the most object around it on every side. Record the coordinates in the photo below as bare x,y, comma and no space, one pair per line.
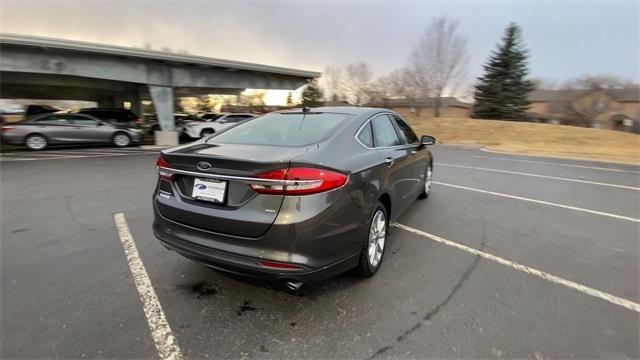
615,109
450,107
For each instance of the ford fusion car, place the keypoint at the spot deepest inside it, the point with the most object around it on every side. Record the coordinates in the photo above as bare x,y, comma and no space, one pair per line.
296,196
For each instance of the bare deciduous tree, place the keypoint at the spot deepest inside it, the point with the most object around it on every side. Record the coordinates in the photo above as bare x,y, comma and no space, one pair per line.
331,83
356,83
598,82
438,62
391,85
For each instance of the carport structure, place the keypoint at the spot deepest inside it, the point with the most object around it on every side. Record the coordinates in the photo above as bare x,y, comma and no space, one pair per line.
55,69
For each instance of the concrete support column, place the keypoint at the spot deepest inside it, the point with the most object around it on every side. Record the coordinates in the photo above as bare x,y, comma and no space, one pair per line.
162,97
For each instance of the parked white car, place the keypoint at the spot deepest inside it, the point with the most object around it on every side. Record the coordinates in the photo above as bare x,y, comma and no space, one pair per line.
212,123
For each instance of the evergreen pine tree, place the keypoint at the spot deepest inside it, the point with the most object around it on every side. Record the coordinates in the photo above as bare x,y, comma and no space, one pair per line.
502,92
312,95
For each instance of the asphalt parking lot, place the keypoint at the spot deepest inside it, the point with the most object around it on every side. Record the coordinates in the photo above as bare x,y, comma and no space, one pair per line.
510,257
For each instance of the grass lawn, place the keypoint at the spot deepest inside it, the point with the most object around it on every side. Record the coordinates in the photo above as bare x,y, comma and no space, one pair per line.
534,139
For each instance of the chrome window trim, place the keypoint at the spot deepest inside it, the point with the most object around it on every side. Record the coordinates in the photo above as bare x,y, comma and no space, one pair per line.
382,147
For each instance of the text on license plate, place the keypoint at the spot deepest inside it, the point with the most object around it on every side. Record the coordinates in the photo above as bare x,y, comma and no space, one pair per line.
209,190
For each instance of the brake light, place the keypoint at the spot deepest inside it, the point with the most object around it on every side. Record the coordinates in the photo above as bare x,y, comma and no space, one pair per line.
7,128
164,169
137,121
298,181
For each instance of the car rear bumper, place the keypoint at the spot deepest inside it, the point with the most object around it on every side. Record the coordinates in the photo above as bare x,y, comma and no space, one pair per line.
320,244
188,242
13,139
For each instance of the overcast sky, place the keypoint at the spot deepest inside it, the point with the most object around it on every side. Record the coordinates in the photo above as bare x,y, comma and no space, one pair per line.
566,38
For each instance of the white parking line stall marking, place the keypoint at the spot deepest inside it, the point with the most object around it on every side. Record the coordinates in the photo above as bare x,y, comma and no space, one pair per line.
595,212
529,270
560,164
10,155
540,176
163,337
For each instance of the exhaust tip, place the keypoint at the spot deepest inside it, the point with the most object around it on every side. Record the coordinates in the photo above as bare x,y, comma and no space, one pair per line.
294,285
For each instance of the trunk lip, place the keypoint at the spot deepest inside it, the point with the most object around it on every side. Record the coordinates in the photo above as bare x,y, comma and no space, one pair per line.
243,179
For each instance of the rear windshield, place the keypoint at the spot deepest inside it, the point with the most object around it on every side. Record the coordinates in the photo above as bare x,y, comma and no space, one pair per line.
284,129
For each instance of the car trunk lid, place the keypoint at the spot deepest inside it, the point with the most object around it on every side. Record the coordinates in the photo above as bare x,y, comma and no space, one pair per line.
243,212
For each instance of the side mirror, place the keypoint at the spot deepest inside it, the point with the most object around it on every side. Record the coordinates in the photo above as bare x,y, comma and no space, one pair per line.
222,121
427,140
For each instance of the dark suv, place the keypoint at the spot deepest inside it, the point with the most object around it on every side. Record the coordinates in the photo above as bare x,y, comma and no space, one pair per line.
115,116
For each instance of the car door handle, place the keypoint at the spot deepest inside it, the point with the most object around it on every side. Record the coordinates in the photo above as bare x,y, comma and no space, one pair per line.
389,161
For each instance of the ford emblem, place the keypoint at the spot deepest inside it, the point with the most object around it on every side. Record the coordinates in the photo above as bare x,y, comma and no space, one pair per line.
203,165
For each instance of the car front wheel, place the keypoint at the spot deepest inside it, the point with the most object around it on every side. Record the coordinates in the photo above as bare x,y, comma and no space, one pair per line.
428,181
374,248
36,142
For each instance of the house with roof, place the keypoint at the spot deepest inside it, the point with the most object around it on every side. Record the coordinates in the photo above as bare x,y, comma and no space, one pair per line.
614,109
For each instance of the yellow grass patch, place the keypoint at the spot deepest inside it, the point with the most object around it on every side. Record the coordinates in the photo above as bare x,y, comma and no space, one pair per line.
533,138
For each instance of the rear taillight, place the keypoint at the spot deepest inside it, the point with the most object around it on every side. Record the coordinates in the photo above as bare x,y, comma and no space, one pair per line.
7,128
164,169
298,181
137,121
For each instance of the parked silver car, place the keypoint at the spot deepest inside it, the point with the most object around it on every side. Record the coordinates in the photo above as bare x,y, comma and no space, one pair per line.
40,131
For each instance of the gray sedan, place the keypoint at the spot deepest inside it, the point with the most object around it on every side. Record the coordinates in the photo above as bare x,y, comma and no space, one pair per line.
40,131
296,196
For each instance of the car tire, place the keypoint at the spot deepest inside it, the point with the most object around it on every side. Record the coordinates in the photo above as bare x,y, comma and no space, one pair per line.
121,139
36,142
206,132
428,182
375,242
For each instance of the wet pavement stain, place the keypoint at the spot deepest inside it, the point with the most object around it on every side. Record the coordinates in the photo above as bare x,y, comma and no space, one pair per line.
200,289
246,306
18,231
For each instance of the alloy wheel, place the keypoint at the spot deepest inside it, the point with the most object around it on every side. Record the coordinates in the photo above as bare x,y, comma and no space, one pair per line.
121,140
428,180
36,142
377,238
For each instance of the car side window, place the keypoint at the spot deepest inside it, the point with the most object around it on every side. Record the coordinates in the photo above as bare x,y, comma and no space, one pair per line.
384,133
52,120
405,131
366,136
81,120
236,118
